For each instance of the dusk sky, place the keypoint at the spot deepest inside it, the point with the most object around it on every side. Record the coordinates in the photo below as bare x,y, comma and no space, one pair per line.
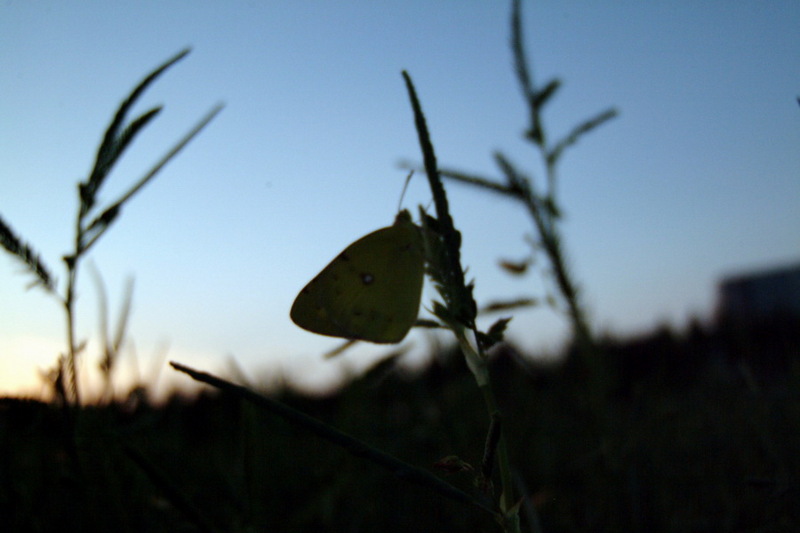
696,179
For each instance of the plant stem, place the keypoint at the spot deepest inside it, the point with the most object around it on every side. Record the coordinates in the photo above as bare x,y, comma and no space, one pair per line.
478,364
356,447
69,305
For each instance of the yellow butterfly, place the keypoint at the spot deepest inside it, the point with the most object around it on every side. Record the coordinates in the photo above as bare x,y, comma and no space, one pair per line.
370,291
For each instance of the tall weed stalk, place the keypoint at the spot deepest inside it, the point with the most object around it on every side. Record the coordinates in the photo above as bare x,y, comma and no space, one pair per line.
92,222
457,311
542,203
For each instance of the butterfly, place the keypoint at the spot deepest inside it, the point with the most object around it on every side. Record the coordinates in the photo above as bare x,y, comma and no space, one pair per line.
371,291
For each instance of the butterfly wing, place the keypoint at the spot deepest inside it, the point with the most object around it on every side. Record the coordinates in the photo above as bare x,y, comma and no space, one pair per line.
371,291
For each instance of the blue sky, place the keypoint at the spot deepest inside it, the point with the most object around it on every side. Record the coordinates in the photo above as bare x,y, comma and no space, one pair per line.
697,178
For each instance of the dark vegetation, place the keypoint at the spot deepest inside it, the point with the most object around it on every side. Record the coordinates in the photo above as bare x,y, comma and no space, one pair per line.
704,433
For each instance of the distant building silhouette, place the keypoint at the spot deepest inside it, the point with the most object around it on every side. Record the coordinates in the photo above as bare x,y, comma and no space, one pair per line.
759,296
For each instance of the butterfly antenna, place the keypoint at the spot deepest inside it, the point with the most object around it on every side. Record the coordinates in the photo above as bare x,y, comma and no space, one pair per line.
405,188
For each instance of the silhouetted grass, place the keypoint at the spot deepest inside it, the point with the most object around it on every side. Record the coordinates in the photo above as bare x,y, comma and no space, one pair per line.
94,497
705,453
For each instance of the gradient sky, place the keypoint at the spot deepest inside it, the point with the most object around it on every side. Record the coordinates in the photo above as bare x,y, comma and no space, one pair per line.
696,179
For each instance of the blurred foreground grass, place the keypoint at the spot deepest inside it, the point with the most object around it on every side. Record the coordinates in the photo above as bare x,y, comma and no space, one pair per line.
704,434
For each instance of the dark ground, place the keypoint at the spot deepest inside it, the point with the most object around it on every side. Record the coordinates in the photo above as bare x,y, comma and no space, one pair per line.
696,431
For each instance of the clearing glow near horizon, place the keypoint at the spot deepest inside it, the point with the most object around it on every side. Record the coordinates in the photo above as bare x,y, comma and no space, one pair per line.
696,178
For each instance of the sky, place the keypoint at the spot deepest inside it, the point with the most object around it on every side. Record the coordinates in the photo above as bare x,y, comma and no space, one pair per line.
696,179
